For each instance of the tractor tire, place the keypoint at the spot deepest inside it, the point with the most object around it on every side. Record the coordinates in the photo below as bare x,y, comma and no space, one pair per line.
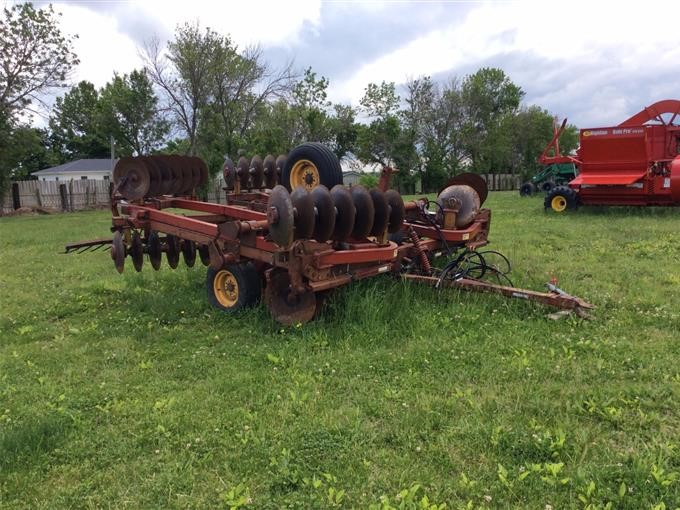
527,189
233,287
561,199
547,186
310,165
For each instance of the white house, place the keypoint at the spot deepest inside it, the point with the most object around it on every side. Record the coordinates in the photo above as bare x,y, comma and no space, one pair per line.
97,169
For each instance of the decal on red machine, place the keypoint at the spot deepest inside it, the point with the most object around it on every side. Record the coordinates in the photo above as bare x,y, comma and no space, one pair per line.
628,131
596,132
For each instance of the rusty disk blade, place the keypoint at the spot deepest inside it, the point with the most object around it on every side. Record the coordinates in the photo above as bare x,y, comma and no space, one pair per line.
344,212
280,163
173,176
172,250
153,248
204,254
363,203
256,171
195,164
203,169
229,173
132,178
382,211
324,213
280,216
397,210
187,176
303,206
155,177
164,161
189,252
175,162
165,183
285,307
137,251
271,176
242,172
118,251
476,182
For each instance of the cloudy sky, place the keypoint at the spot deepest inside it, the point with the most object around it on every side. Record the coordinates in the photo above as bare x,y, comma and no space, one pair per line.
595,62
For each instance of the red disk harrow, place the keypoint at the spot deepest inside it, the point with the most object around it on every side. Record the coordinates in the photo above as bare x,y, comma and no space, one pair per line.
290,246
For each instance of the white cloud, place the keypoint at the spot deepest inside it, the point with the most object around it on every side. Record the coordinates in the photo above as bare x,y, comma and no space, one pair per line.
104,46
101,47
603,35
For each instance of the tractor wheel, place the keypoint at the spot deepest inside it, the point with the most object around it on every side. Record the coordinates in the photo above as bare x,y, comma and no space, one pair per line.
527,189
233,287
561,198
309,165
547,186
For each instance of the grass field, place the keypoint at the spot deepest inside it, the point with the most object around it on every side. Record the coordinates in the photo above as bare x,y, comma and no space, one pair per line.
131,392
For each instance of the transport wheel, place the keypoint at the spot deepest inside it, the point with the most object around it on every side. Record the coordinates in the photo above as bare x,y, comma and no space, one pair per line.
547,186
286,308
527,189
233,287
309,165
560,199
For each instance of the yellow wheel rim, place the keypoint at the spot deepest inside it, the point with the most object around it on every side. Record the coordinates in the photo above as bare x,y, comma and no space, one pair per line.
559,203
304,173
225,288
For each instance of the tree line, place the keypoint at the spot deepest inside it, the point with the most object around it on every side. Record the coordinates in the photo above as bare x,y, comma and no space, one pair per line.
200,94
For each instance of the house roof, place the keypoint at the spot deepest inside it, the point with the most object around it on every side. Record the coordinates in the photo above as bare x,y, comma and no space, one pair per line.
79,166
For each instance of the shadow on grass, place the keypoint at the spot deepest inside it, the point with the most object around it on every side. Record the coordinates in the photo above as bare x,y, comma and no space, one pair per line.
25,443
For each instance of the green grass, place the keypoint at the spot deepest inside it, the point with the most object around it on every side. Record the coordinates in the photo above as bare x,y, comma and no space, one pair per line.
131,392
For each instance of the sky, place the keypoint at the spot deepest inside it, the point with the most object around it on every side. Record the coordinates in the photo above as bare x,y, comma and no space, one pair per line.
596,62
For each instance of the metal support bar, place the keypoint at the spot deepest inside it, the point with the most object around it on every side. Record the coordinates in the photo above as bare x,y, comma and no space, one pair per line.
559,300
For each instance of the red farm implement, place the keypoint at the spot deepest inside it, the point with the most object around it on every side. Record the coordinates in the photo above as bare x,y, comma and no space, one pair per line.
634,163
289,247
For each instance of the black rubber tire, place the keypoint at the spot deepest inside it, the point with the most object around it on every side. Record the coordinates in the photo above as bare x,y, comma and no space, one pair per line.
570,196
547,186
249,286
527,189
325,160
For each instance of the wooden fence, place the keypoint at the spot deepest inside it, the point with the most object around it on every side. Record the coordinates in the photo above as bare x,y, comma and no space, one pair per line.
77,195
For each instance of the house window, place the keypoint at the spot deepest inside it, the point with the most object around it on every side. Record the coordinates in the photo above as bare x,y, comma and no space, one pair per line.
106,177
56,178
83,177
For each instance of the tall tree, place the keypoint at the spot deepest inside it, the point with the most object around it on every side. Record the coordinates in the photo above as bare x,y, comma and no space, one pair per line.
184,74
75,125
488,95
35,57
129,112
26,151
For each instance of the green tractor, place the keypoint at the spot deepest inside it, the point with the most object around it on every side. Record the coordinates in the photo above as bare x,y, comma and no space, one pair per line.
556,170
551,175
